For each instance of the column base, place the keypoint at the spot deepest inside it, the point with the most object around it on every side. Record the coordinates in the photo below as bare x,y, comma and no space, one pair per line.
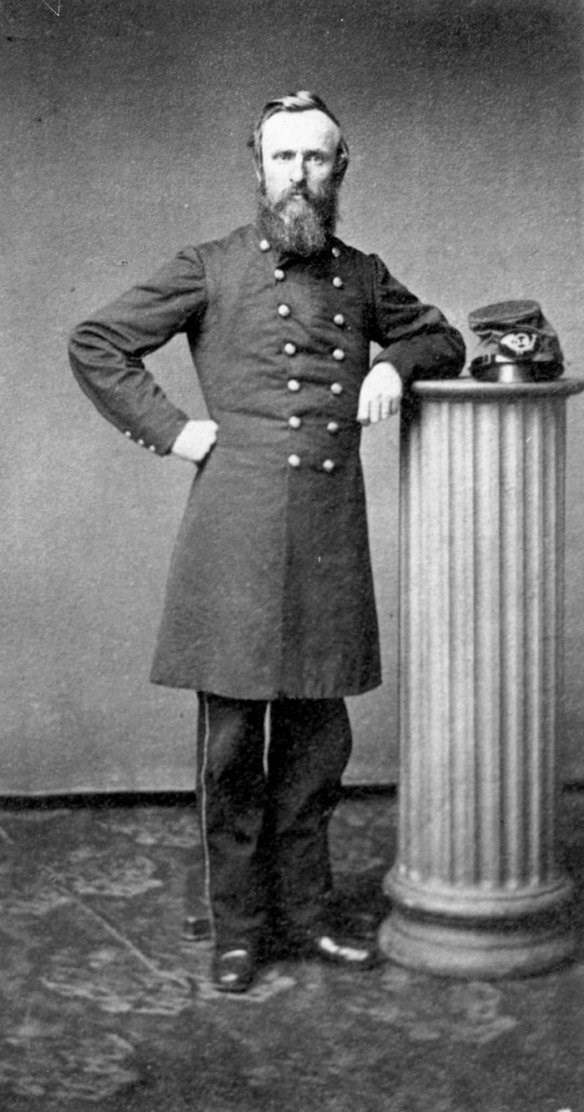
478,951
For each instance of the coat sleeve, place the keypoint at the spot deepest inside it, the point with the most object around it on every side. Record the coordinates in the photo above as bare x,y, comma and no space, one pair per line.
416,338
107,350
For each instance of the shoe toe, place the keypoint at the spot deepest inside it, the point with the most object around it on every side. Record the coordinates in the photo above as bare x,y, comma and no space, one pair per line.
233,971
351,954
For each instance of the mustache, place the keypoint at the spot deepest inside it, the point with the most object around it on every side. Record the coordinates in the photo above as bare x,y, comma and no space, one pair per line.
292,193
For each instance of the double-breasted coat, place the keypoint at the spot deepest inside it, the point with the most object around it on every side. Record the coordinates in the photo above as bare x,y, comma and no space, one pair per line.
270,589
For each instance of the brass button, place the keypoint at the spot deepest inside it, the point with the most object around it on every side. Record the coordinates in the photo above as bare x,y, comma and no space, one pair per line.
339,320
141,443
127,433
290,349
151,448
339,355
338,282
294,421
336,388
279,274
294,461
332,427
336,252
264,245
284,310
293,385
328,465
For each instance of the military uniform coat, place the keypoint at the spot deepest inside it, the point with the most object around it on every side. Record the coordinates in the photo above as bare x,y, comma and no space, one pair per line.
270,589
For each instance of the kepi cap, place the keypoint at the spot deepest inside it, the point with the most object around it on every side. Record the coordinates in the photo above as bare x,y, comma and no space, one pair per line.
515,334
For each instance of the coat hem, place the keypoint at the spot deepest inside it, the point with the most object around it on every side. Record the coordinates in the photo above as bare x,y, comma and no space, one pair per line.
269,693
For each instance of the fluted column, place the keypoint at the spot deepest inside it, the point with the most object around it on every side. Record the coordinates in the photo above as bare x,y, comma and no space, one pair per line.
477,888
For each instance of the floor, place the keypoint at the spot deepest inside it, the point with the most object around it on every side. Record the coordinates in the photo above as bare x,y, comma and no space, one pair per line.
106,1006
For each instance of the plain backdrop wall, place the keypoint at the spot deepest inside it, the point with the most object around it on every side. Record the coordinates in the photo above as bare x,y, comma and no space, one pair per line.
123,130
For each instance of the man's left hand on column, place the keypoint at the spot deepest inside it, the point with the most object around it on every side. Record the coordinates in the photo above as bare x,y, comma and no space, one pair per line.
380,394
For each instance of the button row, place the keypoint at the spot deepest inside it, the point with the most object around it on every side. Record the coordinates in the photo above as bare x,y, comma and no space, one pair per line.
285,311
338,354
280,276
328,465
295,422
294,386
151,447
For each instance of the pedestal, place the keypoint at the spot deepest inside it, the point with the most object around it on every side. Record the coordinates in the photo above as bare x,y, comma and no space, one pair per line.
476,888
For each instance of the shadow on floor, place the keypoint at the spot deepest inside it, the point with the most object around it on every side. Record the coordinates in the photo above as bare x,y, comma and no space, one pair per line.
106,1006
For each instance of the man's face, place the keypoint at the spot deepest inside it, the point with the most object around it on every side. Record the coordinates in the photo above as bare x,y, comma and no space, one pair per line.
299,151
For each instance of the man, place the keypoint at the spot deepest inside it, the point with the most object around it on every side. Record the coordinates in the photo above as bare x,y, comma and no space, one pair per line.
270,612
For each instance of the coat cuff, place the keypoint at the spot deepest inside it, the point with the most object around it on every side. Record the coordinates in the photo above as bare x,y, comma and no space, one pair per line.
158,437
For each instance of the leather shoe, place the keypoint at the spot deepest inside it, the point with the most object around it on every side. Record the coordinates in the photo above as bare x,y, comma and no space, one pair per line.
233,971
336,951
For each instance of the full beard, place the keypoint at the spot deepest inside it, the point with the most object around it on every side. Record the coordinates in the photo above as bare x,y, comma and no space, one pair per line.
297,223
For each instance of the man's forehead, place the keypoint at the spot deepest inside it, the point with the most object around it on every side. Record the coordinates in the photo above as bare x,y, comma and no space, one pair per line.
312,129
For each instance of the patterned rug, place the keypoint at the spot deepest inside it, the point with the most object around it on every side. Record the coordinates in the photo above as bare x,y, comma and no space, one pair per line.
105,1005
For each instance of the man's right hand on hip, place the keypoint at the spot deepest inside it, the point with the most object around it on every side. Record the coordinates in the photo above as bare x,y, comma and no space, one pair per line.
195,440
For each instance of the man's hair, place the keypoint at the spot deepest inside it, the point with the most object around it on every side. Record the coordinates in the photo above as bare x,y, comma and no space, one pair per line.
302,101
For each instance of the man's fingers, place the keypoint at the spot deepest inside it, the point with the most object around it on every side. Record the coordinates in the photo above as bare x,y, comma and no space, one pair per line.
378,409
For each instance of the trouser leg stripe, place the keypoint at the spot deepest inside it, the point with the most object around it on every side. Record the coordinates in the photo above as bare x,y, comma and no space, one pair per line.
204,803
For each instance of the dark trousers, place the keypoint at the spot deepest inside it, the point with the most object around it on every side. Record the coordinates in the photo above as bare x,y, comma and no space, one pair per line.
265,800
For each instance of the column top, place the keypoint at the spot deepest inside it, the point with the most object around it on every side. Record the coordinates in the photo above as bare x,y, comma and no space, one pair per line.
470,389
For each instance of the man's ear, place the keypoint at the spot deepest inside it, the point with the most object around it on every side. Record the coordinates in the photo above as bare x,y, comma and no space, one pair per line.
341,167
256,153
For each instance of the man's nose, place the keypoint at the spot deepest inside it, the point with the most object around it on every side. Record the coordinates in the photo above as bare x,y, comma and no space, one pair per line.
297,170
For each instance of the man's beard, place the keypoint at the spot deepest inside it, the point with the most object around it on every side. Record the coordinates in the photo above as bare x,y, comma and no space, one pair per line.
298,223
